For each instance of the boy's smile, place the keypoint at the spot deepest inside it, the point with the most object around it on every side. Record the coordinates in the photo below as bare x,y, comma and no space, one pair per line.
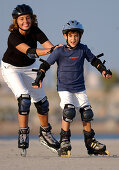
72,38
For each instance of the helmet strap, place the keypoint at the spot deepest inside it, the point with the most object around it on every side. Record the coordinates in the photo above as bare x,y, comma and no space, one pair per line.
69,46
22,29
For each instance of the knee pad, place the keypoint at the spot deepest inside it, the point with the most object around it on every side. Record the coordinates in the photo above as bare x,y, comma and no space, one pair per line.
86,113
69,112
24,103
42,106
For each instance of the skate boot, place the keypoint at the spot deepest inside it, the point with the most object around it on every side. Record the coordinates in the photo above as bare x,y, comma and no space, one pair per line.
47,139
93,146
65,146
23,140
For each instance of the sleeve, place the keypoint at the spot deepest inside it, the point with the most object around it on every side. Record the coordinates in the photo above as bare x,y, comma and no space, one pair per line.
41,37
14,39
89,55
53,57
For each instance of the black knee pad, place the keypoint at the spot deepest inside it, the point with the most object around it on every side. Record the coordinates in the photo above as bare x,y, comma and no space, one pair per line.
42,106
86,113
24,103
69,112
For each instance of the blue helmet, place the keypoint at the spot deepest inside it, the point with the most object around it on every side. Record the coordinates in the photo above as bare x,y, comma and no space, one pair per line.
72,25
21,10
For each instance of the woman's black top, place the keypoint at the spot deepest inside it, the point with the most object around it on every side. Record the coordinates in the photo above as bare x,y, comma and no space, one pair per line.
14,56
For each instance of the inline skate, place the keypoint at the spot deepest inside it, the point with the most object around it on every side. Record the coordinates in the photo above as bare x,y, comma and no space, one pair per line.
46,138
93,146
65,145
23,140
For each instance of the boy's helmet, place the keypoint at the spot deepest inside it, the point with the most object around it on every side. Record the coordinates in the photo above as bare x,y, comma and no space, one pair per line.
72,25
21,10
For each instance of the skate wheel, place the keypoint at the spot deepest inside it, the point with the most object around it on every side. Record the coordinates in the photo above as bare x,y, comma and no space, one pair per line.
67,155
23,152
104,153
50,148
107,153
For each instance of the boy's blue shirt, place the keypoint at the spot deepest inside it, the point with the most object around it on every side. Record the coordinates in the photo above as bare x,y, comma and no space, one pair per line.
70,67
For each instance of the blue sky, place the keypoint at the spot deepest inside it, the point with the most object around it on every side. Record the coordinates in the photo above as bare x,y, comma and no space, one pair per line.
99,18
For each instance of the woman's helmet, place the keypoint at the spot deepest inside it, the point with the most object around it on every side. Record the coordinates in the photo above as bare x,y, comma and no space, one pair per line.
72,25
21,10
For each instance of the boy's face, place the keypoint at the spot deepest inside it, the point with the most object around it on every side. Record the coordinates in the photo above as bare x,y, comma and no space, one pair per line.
73,38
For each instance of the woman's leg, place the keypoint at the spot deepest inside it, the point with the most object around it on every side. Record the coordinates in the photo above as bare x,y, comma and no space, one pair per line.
23,120
43,120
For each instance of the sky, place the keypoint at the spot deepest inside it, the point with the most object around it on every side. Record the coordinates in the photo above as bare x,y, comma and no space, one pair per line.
98,17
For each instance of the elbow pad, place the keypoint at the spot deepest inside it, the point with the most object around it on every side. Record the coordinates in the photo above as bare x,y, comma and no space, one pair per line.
98,64
31,53
45,65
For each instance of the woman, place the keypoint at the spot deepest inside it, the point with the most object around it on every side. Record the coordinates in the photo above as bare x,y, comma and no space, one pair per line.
17,64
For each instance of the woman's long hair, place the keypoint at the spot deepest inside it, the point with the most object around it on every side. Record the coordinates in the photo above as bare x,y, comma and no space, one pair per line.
14,25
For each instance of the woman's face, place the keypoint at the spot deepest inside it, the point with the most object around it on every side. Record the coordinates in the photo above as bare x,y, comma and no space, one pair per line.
24,22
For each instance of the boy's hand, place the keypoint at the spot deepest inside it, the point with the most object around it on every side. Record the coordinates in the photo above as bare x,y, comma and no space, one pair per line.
107,74
38,81
36,86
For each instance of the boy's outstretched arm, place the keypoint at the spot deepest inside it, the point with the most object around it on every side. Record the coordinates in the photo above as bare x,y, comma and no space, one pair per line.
41,74
97,63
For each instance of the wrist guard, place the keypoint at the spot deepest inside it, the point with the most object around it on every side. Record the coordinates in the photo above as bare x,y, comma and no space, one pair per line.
31,53
40,77
41,74
98,64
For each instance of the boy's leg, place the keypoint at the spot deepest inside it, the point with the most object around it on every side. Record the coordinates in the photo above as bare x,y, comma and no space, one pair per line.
68,115
65,125
87,126
65,145
92,145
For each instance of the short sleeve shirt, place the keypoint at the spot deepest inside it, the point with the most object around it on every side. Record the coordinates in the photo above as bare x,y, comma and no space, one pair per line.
70,67
14,56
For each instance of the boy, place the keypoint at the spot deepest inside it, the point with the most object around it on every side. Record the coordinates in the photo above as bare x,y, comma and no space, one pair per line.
71,86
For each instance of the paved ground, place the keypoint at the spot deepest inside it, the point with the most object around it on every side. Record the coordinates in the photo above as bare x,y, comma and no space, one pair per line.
40,158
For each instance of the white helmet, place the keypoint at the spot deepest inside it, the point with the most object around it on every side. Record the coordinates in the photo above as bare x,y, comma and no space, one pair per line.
72,25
